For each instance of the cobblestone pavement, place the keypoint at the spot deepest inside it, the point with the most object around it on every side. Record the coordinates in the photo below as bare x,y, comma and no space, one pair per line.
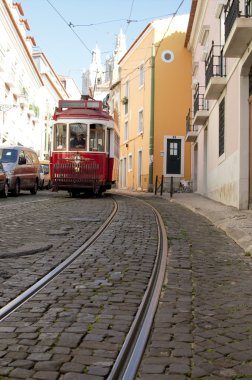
203,327
38,232
236,223
74,328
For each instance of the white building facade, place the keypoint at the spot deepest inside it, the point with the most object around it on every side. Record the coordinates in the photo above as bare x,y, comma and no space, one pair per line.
29,87
52,91
20,82
219,124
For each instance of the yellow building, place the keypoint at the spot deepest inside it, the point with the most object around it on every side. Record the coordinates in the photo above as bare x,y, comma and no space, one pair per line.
155,95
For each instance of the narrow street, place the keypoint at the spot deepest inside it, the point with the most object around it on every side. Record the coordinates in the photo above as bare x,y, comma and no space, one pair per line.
202,328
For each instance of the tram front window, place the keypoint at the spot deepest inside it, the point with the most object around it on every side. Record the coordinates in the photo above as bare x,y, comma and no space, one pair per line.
78,136
60,136
97,138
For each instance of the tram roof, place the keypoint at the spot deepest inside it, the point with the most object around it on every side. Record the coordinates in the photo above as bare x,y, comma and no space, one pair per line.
83,109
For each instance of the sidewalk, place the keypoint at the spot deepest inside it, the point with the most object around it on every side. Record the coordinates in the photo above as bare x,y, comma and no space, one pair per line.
236,223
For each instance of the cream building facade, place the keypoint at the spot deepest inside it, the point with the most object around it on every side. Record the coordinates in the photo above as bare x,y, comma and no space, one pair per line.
219,37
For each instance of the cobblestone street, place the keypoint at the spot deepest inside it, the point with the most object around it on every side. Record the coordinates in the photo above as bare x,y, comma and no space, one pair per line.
72,329
203,327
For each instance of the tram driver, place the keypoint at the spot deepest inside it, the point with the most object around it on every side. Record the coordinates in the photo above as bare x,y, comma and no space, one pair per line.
78,142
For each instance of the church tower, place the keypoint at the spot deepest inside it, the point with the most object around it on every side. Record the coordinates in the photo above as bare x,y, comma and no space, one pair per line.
94,76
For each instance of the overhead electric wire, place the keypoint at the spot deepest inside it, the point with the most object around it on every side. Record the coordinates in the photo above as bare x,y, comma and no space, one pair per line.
117,20
168,27
129,18
174,14
69,25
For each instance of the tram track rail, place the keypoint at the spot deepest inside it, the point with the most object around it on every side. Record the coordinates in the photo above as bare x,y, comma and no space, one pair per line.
129,358
131,346
35,238
18,301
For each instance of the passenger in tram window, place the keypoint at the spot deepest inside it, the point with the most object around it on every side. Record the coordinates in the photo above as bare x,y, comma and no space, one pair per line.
78,141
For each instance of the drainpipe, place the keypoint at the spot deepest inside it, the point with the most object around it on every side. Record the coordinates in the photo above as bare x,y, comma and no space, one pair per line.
151,149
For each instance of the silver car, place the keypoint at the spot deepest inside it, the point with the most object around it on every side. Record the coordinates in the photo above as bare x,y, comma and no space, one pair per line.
21,165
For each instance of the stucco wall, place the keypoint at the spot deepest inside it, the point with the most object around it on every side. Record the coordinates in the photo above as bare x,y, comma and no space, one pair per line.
172,99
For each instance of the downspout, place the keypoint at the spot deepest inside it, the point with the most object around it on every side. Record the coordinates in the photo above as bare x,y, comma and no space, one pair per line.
151,146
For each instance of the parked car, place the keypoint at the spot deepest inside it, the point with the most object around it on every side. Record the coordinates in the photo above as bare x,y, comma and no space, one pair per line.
44,175
4,188
21,165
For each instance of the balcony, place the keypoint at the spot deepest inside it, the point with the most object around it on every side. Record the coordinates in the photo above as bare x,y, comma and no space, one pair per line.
200,106
191,130
238,28
215,72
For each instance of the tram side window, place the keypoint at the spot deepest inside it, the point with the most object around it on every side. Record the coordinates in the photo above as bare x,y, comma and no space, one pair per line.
97,137
78,136
108,141
60,136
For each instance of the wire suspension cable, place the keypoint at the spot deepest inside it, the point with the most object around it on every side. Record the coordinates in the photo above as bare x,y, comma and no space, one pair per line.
69,24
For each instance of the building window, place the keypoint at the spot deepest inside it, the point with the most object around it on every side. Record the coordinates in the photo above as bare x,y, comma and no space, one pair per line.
130,162
126,96
222,27
140,122
221,126
141,75
250,81
126,132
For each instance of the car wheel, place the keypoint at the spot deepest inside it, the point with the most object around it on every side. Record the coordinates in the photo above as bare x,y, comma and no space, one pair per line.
4,192
35,188
16,190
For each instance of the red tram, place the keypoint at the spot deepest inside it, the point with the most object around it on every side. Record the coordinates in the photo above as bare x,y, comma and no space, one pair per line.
85,152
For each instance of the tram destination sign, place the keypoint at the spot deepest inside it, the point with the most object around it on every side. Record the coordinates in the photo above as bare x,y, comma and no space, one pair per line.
79,104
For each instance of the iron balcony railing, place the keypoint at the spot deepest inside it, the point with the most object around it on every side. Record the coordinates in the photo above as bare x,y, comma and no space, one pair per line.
199,101
233,10
215,64
189,126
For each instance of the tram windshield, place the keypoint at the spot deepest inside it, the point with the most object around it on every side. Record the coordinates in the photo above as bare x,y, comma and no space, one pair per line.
78,136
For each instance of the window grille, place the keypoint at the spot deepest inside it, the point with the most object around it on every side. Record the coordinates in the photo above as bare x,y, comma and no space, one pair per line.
221,126
250,82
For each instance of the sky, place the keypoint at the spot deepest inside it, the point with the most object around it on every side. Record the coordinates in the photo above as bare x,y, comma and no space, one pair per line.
67,31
